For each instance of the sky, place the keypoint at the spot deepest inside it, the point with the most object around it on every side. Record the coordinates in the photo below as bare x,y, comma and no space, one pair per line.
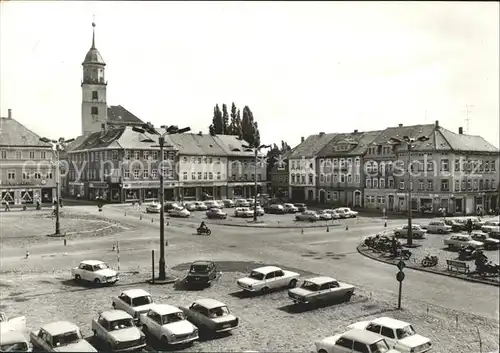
301,67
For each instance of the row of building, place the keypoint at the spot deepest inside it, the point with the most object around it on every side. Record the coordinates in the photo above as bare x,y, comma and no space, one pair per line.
367,170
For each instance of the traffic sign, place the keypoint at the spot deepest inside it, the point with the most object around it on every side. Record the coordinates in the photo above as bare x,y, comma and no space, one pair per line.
400,276
401,264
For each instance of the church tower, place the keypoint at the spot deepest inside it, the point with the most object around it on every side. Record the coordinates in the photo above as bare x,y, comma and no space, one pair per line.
94,105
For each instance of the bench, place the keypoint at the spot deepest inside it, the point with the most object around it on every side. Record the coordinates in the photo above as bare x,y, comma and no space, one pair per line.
457,266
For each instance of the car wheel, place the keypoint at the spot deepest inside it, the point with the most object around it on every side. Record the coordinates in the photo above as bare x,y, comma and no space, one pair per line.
164,341
146,331
97,281
114,306
77,278
397,234
293,283
347,297
94,332
264,290
440,231
322,351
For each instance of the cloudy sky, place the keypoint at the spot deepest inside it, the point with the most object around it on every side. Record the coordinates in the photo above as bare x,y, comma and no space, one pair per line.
302,67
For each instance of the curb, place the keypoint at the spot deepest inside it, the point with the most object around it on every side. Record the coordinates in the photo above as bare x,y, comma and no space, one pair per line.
410,266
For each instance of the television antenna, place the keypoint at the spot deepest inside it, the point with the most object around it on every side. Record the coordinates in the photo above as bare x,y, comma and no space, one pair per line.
468,108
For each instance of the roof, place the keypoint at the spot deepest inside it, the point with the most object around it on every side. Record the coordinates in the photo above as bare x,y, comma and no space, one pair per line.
362,336
10,337
233,146
209,303
359,142
390,322
320,280
195,144
266,269
93,57
112,315
165,309
134,293
202,262
311,145
471,143
92,262
13,133
59,327
118,114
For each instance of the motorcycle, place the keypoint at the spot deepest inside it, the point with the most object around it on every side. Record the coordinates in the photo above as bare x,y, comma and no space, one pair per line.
487,268
466,254
203,231
429,261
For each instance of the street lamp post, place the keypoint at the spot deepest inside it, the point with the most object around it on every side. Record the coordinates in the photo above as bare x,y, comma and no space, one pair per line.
173,129
57,146
256,150
409,142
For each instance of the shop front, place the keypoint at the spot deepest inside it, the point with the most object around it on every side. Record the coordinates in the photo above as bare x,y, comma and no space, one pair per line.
76,189
23,196
98,190
132,195
151,194
115,193
188,193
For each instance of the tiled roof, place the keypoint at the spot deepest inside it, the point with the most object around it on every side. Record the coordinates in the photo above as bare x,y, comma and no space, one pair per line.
312,145
118,114
13,133
469,143
416,131
233,146
360,142
196,145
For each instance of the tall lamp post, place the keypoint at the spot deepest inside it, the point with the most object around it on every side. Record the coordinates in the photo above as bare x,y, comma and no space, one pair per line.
256,150
57,146
170,130
409,141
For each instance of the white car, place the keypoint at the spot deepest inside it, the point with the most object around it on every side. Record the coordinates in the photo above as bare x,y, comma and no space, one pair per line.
169,325
133,302
290,208
268,277
153,208
398,334
179,212
16,324
200,206
241,203
94,271
354,341
333,213
14,341
348,212
212,204
60,336
243,212
190,206
491,226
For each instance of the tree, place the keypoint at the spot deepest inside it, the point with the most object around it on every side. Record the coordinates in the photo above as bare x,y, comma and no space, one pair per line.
249,128
237,128
232,128
225,120
217,123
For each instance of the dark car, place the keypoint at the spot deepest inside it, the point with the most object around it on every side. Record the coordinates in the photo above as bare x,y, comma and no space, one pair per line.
274,209
455,226
170,205
201,273
301,206
216,213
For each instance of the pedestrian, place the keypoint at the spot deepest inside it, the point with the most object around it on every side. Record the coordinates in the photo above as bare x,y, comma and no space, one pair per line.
7,207
469,226
60,202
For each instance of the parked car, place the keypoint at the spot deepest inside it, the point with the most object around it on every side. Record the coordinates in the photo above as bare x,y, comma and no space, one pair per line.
324,216
201,273
169,205
153,207
17,324
95,271
310,216
290,208
321,289
179,212
439,227
302,207
348,212
354,341
116,332
200,206
265,278
212,204
134,302
241,203
190,206
211,315
333,213
216,213
251,201
398,334
486,239
455,226
341,213
14,341
60,336
260,211
244,212
417,231
491,226
459,240
275,209
228,203
477,222
169,325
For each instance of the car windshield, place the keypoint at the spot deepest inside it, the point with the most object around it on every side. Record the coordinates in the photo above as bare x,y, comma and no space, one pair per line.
144,300
171,318
404,332
256,275
14,347
199,268
102,266
218,312
120,324
67,338
379,347
310,286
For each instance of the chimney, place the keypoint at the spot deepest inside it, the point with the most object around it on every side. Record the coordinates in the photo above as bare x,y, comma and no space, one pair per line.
400,125
356,131
321,133
200,133
103,130
302,139
461,130
436,123
9,116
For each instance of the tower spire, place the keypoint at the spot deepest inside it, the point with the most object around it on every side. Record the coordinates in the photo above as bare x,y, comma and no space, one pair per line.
93,32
